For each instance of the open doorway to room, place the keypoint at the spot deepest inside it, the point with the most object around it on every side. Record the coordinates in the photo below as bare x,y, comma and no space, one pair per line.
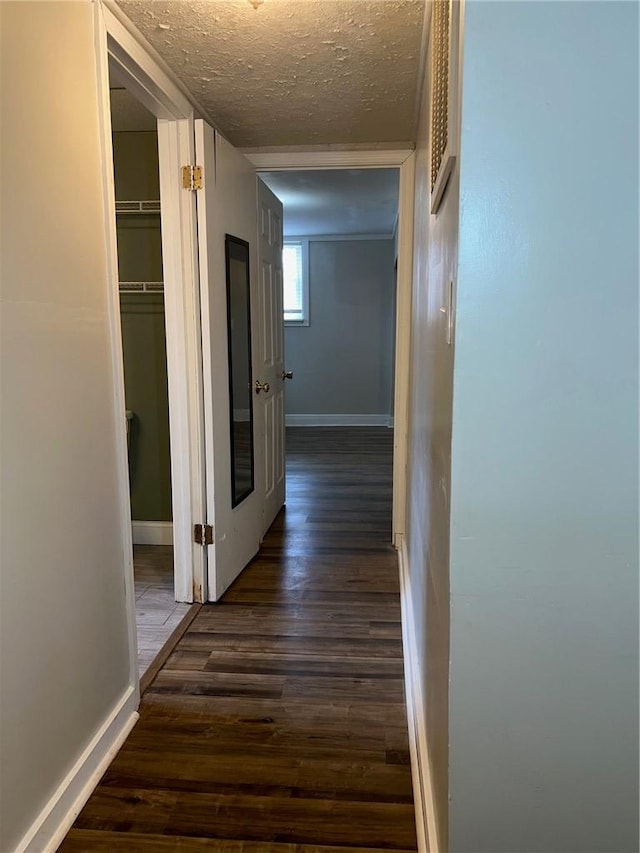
144,346
339,271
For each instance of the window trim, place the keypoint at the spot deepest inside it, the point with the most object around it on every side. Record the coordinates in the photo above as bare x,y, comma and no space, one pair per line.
304,243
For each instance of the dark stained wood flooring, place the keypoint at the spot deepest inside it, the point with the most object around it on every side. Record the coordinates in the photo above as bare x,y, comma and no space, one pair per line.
278,723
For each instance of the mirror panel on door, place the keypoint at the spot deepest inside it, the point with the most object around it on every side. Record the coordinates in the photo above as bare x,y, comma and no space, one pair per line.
240,391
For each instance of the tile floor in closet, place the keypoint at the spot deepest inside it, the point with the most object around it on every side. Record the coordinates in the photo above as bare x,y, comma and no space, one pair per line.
157,612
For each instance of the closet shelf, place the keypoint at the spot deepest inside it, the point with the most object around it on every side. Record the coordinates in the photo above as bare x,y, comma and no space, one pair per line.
141,286
150,206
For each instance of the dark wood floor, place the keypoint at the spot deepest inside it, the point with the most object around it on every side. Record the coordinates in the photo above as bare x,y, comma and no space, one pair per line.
278,723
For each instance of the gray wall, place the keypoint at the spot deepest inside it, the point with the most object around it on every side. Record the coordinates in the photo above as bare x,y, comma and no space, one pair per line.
65,657
145,370
544,518
343,361
135,165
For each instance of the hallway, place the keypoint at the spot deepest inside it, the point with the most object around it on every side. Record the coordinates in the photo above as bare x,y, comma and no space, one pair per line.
278,723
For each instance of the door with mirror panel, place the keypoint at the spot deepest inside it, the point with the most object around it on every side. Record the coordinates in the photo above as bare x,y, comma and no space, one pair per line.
230,317
242,351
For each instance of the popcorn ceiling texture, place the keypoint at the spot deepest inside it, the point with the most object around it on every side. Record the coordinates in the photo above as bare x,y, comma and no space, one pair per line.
293,72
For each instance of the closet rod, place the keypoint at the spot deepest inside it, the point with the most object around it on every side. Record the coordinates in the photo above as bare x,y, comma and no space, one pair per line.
141,286
149,206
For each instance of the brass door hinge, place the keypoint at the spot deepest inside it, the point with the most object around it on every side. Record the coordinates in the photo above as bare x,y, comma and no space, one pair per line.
203,534
192,177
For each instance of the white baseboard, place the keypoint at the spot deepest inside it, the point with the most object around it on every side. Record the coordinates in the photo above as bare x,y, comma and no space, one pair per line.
426,820
336,420
152,532
56,818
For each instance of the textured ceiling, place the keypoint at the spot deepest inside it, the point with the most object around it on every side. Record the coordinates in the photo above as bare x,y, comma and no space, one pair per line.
341,201
293,72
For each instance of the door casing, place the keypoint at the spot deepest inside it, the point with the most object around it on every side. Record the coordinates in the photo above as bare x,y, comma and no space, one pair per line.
120,47
403,160
158,89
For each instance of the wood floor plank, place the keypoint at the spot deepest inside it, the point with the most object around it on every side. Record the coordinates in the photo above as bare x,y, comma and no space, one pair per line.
301,646
277,724
278,772
246,817
293,714
278,663
82,840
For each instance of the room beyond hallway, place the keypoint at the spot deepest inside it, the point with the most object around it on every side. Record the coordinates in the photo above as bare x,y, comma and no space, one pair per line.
278,724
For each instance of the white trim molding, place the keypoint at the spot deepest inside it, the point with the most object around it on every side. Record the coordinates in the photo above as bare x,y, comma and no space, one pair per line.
176,145
54,821
152,532
404,289
423,794
101,36
336,420
288,160
335,238
124,51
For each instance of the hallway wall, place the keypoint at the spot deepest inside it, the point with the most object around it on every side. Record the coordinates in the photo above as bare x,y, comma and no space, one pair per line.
544,508
65,658
429,449
343,360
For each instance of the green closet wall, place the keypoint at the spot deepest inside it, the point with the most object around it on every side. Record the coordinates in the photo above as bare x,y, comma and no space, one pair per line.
135,157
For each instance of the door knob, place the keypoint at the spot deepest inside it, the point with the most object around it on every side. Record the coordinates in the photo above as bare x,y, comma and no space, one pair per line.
287,374
262,386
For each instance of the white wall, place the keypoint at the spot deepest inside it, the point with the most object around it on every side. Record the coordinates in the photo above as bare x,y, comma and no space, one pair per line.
65,657
544,517
343,360
428,476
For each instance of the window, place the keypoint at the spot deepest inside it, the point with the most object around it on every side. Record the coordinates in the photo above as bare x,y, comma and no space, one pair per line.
296,283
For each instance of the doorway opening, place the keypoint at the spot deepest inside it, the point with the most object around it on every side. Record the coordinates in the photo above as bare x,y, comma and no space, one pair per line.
144,345
340,258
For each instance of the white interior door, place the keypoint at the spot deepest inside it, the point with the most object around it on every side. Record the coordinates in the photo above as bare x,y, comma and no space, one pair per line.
271,405
234,439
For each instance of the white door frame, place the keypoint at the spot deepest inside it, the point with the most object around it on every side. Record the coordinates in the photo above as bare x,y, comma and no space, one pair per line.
151,81
404,160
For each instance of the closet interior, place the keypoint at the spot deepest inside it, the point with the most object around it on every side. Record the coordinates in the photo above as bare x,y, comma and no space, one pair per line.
142,317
